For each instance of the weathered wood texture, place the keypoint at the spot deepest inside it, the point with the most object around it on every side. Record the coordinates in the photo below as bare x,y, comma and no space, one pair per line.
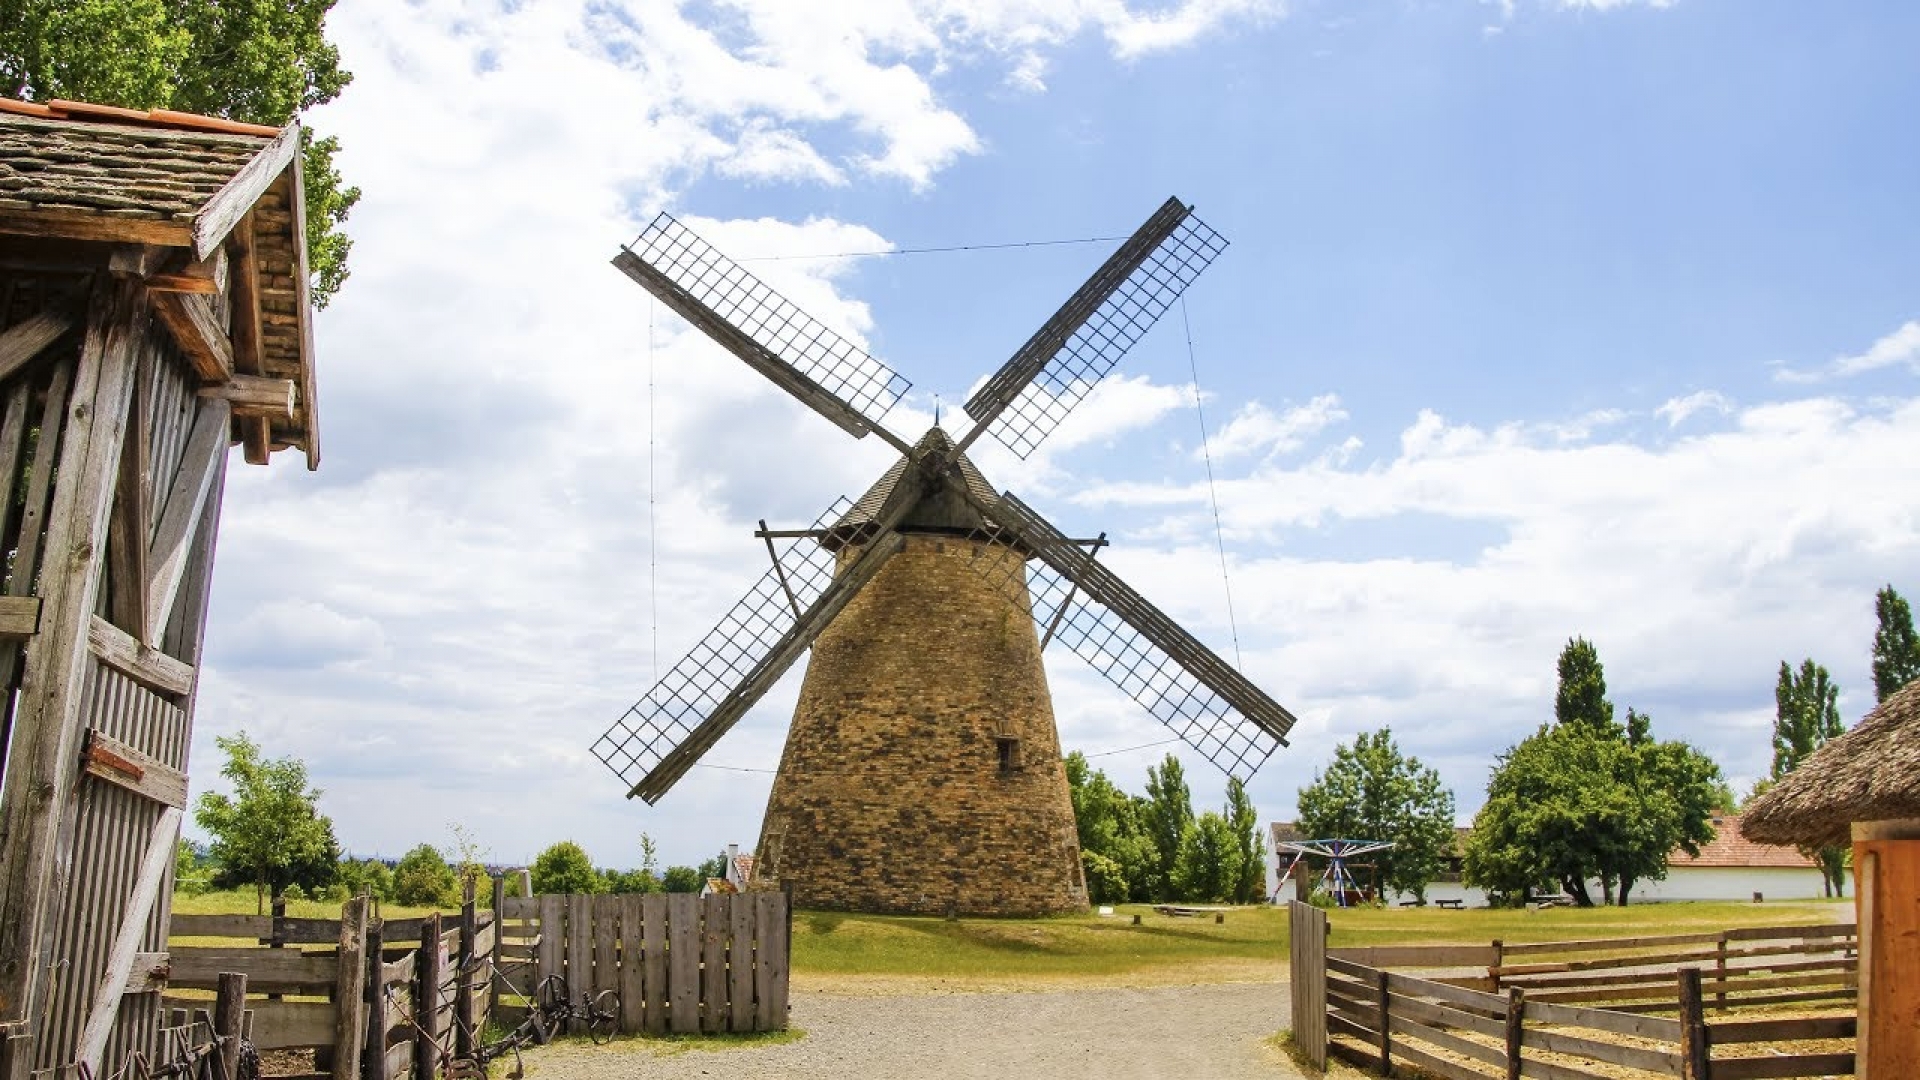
680,963
1461,1033
1307,930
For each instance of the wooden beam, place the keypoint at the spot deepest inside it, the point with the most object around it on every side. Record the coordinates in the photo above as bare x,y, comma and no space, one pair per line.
85,226
256,432
255,396
19,616
222,212
109,759
303,309
23,341
126,944
149,667
35,853
127,528
167,554
149,974
185,274
198,333
137,260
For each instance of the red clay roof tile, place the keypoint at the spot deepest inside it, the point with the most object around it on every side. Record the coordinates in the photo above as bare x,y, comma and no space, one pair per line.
60,109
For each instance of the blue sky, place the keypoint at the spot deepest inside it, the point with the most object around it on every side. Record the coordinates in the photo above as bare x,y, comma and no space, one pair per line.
1540,319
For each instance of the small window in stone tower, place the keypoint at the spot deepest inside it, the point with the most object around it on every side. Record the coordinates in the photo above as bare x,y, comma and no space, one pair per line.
1009,747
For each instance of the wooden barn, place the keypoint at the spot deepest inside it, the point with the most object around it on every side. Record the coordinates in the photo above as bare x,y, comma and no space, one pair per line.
1864,788
153,313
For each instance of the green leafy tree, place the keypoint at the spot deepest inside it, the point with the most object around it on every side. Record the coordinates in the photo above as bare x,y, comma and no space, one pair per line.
422,877
1168,820
1806,715
270,832
258,61
715,867
1250,880
564,868
1371,791
1111,825
469,863
683,879
1106,879
1896,649
1581,697
367,877
1209,864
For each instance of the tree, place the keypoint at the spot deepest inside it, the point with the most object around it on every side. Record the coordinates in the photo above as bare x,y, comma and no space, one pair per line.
715,867
1581,698
1896,649
1111,827
1250,884
367,877
262,61
270,832
1168,820
423,878
564,868
470,861
683,879
1371,791
1208,866
1806,715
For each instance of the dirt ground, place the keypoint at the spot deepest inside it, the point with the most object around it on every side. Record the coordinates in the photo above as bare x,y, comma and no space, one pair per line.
1216,1032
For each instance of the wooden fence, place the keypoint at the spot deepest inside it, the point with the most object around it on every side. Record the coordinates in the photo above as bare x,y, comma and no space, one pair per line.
680,963
1569,1005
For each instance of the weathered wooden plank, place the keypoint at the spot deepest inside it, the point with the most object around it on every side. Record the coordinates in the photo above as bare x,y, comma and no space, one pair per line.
244,302
1620,1023
1404,1025
683,963
271,971
1434,1012
149,973
1539,948
715,1016
229,1021
349,1008
1613,1052
770,960
1426,956
295,183
553,926
1731,1032
127,526
126,943
45,740
607,932
221,926
1347,967
1439,1066
426,1000
740,963
79,225
579,945
1548,1071
1764,1068
219,214
653,929
197,330
117,763
19,616
186,499
278,1025
22,342
1838,932
633,983
520,907
1407,984
254,396
138,661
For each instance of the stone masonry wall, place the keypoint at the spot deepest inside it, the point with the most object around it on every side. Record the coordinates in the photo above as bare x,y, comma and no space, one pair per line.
899,790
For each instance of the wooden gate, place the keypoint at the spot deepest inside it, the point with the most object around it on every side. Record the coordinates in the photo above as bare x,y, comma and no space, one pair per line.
1307,953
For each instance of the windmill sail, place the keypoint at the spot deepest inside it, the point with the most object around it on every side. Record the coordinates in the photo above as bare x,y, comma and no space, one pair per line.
828,373
1197,695
663,734
1060,364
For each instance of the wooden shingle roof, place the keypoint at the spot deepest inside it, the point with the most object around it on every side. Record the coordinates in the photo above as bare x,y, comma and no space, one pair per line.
202,188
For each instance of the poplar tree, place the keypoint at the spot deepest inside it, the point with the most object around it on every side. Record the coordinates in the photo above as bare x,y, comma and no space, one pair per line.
1806,715
1896,649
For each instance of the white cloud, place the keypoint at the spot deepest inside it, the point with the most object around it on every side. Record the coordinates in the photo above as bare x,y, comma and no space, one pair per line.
1676,411
1259,431
1902,346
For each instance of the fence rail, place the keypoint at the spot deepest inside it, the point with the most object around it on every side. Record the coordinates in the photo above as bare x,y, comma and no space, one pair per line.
1544,1018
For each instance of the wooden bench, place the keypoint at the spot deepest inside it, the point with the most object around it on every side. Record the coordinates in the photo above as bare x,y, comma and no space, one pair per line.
1452,905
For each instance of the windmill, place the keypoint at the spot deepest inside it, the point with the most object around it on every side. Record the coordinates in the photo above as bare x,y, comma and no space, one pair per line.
922,772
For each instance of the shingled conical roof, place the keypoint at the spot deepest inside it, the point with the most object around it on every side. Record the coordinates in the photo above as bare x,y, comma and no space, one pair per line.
1871,773
938,509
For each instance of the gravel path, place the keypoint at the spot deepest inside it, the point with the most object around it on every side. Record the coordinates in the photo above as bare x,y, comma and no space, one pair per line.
1190,1032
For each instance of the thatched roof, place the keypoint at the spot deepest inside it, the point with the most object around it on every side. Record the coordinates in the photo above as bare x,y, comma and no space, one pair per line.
1871,773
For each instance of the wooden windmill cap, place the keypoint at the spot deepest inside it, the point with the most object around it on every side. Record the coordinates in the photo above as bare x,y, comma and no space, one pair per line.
938,508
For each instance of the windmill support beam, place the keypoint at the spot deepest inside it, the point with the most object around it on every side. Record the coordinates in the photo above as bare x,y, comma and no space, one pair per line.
779,571
1066,605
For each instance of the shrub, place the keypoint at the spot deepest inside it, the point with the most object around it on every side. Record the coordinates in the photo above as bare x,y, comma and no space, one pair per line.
423,877
565,868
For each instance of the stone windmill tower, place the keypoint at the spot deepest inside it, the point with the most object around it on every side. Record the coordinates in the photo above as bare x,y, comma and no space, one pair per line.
922,773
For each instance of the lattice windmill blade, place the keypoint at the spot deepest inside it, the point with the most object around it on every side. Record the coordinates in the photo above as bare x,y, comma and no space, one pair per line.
828,373
1072,351
663,734
1141,650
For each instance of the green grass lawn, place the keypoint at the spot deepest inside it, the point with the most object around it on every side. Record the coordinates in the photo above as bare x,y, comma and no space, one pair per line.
875,953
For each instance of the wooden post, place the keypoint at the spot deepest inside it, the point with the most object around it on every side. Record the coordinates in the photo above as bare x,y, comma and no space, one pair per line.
1695,1046
1720,974
1493,969
349,991
526,883
1516,1028
229,1013
426,999
464,971
16,1052
1386,1039
375,1049
277,933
